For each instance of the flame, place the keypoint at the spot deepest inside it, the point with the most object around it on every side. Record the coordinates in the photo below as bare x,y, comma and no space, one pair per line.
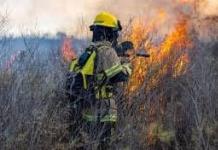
67,51
167,39
141,30
173,49
140,38
168,57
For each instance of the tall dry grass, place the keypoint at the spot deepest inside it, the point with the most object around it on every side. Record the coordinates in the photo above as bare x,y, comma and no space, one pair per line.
33,104
178,113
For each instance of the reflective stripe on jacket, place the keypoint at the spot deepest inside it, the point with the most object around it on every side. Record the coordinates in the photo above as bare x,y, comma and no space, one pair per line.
102,64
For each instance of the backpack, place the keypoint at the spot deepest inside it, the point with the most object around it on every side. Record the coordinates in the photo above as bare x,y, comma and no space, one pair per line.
81,72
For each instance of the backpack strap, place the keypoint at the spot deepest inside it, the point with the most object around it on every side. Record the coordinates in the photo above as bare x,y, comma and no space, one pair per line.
86,64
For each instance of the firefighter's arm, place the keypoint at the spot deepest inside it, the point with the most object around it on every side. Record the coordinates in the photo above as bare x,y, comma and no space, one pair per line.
119,73
114,71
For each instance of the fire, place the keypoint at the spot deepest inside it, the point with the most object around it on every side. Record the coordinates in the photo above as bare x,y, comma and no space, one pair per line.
141,29
168,57
67,51
173,49
140,37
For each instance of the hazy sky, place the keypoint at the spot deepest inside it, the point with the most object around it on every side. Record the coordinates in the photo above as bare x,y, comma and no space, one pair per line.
46,15
50,16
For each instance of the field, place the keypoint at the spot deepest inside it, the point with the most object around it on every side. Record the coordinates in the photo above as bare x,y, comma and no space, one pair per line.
170,101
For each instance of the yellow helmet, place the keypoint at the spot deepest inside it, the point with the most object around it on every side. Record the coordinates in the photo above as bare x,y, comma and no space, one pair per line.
106,19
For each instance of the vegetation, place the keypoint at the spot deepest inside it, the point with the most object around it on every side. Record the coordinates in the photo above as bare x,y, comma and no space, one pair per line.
170,102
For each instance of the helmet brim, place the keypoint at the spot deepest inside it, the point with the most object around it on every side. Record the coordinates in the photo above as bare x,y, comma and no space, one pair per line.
119,28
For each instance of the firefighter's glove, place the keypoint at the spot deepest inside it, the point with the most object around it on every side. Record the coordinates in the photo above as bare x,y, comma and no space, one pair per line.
127,68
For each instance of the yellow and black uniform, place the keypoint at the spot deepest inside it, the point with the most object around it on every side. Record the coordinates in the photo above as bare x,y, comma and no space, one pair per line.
96,74
100,73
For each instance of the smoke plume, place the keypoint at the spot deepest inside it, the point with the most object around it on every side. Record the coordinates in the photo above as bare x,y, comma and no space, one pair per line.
51,16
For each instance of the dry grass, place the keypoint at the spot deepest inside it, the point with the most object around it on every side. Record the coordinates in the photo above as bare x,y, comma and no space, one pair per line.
178,113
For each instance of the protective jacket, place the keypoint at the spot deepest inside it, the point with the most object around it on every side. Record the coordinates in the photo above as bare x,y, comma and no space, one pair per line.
100,70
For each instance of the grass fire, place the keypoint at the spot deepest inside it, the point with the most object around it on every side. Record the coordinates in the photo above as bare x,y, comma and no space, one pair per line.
101,75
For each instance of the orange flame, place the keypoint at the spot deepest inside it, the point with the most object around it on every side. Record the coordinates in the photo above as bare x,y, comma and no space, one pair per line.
140,37
169,57
174,46
67,51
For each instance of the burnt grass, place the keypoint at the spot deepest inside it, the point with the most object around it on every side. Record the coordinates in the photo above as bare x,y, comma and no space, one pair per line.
178,113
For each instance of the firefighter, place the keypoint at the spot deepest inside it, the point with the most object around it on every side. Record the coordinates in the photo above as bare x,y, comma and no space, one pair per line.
96,75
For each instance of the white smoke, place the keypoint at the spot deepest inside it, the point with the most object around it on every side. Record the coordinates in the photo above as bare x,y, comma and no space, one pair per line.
210,7
48,16
71,16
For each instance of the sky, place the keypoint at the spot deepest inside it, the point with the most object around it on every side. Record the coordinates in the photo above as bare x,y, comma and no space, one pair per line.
46,15
51,16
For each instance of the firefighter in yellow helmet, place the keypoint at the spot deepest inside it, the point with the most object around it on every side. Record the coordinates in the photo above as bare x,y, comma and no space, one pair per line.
96,73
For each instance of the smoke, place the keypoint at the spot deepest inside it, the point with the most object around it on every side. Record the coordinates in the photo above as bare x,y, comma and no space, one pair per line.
210,7
194,10
129,8
71,16
126,9
48,16
148,10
